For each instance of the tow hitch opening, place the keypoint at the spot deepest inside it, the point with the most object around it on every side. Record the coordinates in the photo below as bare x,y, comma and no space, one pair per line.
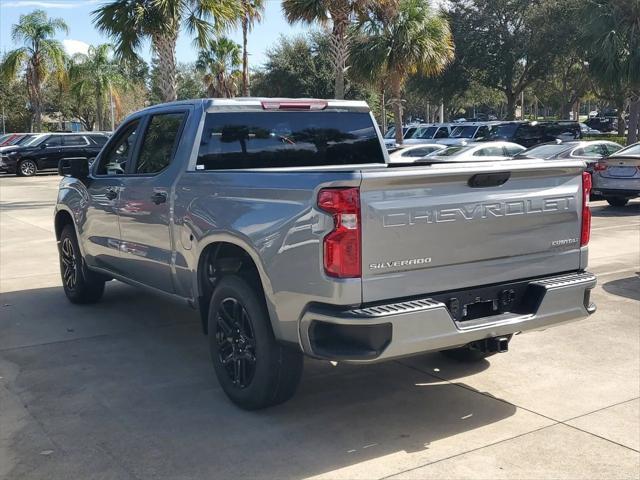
492,345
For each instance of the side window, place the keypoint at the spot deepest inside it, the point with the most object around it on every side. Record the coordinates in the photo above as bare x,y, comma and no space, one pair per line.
418,152
114,161
99,140
74,141
489,152
482,132
610,148
442,133
512,150
595,151
53,141
159,142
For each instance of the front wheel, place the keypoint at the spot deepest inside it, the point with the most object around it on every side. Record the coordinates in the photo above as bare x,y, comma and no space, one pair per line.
254,370
617,201
80,284
27,168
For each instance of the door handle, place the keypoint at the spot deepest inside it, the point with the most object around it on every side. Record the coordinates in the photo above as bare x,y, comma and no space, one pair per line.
159,197
111,193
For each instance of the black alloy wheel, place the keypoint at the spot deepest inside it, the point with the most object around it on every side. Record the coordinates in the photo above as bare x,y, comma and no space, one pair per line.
69,263
236,342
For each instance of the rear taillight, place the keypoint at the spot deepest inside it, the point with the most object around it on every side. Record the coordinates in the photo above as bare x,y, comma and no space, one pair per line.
600,166
342,256
586,211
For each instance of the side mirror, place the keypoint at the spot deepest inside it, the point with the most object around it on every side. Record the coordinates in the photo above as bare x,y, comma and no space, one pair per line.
77,167
43,146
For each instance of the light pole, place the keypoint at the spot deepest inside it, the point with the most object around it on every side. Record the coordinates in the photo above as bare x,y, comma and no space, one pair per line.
113,120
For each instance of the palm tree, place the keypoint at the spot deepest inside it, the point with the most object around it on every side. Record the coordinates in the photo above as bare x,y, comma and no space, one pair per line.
397,43
220,62
97,73
129,22
613,53
40,56
340,14
252,11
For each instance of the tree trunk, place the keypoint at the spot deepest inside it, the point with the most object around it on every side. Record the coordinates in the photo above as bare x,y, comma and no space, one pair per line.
245,57
510,114
396,90
634,121
383,109
621,124
100,112
340,52
164,45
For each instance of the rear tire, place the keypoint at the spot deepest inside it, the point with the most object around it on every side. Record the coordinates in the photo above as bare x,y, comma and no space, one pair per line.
617,201
80,284
27,168
254,370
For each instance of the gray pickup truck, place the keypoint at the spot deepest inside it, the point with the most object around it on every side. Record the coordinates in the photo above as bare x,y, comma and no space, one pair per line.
284,224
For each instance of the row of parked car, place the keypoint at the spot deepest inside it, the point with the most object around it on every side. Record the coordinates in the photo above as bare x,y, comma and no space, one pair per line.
26,154
524,133
615,171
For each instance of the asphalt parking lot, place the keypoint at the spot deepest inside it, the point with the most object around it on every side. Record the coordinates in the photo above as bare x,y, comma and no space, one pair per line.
124,389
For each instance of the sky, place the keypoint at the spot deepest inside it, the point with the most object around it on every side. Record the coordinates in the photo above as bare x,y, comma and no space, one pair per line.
82,33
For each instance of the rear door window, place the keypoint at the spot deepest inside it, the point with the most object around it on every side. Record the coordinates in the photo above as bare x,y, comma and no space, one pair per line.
240,140
74,141
159,142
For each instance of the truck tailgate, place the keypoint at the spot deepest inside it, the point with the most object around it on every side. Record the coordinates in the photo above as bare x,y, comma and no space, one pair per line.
444,227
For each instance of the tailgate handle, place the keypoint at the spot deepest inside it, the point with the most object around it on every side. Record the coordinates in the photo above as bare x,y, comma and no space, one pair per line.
483,180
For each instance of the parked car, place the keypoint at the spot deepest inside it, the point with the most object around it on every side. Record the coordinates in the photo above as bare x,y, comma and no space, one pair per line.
463,133
45,151
589,151
16,140
410,153
428,132
529,134
291,240
390,136
476,152
587,130
617,177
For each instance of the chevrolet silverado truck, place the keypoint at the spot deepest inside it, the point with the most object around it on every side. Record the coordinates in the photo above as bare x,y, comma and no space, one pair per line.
284,223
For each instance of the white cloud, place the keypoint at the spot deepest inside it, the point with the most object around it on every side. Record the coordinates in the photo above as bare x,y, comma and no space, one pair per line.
46,4
75,46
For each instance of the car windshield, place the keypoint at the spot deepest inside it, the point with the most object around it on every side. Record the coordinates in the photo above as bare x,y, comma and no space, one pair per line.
544,151
466,131
632,150
450,151
390,133
424,132
504,130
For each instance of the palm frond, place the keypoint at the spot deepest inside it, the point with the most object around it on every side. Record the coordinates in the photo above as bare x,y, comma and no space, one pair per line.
13,63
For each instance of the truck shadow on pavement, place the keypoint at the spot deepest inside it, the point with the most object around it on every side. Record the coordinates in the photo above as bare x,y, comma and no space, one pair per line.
628,287
125,389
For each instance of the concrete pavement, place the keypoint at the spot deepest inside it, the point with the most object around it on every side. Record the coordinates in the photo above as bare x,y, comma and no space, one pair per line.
124,389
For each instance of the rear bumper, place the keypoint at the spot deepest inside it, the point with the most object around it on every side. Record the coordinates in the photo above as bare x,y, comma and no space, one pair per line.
616,192
421,325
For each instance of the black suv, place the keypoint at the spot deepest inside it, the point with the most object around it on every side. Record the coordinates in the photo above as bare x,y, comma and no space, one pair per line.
529,134
44,151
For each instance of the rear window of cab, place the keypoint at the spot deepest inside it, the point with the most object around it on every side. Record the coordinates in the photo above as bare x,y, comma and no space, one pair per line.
250,140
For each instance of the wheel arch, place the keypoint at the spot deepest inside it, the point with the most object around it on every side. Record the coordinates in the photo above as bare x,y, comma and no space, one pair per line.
61,220
224,256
